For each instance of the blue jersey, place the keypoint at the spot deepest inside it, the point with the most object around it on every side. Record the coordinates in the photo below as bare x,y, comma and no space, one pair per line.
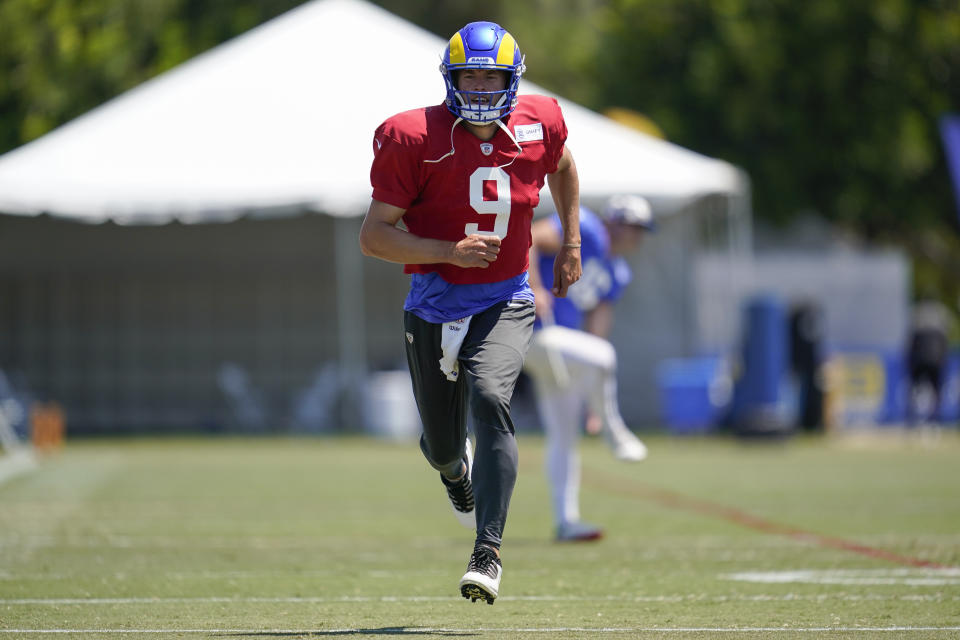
435,300
604,276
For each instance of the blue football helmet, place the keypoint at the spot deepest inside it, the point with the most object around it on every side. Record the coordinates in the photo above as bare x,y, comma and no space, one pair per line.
482,45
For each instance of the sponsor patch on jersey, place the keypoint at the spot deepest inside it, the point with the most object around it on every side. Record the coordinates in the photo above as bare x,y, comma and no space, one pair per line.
528,132
486,148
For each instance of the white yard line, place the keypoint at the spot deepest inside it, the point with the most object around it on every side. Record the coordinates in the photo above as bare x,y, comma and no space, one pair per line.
422,630
690,597
914,577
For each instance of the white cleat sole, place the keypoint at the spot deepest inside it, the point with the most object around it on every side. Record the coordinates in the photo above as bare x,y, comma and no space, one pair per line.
477,586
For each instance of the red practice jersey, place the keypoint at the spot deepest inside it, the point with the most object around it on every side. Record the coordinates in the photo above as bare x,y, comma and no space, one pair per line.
483,187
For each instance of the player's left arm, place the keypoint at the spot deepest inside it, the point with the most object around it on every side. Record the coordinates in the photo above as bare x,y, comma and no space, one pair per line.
546,239
565,189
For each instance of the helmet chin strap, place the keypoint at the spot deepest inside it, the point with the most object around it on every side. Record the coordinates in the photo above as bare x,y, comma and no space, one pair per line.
512,139
500,124
452,149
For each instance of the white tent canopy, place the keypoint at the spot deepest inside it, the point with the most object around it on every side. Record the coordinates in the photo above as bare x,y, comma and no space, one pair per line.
281,119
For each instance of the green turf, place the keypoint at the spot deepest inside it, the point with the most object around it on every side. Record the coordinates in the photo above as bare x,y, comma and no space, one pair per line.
351,537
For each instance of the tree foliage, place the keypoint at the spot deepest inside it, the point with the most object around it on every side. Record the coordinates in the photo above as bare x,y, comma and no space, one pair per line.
61,58
831,106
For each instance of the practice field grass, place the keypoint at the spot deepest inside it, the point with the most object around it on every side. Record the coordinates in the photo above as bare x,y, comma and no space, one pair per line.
352,537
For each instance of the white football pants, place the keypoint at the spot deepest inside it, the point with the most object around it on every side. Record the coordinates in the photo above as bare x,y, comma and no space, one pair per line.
570,368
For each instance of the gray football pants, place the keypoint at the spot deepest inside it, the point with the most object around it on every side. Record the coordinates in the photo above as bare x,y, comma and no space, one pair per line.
490,359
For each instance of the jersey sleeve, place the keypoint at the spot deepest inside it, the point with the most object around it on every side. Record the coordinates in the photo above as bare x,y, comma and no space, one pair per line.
557,128
394,172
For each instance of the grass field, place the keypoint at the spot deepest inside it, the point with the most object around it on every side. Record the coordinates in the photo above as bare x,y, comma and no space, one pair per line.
351,537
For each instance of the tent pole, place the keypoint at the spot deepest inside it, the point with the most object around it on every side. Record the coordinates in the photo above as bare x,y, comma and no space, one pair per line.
351,320
740,228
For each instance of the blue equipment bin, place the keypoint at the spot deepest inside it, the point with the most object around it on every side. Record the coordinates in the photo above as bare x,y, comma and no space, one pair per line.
693,393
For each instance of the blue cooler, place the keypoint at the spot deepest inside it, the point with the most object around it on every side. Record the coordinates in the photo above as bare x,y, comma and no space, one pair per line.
694,392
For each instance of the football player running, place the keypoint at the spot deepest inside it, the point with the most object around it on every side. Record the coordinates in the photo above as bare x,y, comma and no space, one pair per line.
570,362
464,177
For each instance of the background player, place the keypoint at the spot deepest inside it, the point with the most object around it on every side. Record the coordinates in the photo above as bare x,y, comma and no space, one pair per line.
464,177
571,362
928,350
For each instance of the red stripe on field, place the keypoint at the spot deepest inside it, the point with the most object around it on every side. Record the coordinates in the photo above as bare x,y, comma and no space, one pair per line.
676,500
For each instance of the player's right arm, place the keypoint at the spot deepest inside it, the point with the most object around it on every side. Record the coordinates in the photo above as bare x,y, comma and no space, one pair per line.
380,237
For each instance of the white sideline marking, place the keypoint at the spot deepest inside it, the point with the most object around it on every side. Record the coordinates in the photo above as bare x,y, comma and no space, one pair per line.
421,630
910,577
690,597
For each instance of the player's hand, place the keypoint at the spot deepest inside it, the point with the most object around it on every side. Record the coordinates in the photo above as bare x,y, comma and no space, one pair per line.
476,251
566,270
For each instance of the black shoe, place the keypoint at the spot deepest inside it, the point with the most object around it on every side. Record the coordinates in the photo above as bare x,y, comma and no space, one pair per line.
482,579
460,492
